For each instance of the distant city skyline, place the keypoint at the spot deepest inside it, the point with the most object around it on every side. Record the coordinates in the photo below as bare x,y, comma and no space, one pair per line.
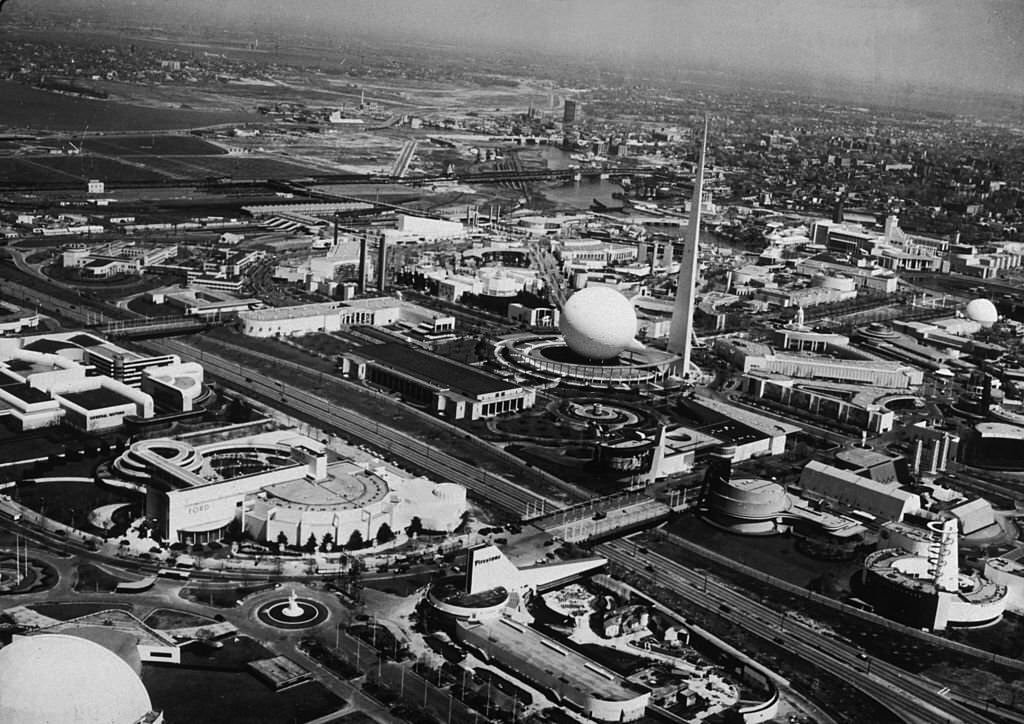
972,47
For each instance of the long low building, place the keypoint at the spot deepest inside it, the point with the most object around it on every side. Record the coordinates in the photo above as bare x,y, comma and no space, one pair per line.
558,672
750,356
886,501
861,406
334,316
445,387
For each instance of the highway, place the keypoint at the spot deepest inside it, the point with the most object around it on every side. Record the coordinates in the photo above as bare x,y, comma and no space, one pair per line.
911,697
504,493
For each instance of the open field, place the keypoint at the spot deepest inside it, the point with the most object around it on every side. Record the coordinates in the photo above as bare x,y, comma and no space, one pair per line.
151,145
26,107
87,166
81,168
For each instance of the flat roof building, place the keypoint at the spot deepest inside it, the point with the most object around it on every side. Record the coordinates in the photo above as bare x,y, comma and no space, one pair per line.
428,380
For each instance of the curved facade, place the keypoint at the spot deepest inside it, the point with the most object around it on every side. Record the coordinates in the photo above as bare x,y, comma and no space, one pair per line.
901,586
995,445
280,483
748,505
551,359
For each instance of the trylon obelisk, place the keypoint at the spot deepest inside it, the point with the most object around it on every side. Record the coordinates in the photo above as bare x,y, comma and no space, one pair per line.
680,337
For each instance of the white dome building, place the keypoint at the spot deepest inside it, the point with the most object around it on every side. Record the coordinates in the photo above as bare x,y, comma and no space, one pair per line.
598,323
982,311
56,678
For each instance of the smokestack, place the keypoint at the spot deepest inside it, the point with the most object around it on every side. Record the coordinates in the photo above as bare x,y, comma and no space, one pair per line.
837,211
382,266
361,281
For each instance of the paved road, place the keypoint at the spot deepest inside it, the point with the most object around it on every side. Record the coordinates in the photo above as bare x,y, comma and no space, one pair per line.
913,698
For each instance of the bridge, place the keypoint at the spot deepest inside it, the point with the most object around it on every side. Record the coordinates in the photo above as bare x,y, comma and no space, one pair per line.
157,326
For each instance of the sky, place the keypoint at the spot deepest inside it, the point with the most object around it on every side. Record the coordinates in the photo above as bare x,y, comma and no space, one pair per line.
975,45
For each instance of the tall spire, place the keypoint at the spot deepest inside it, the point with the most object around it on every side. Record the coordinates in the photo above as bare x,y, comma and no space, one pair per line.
680,338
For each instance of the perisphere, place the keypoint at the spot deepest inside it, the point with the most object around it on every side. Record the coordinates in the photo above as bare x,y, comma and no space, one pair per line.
982,311
597,323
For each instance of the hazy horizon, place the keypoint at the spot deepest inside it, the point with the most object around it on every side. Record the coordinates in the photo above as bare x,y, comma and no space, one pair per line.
974,46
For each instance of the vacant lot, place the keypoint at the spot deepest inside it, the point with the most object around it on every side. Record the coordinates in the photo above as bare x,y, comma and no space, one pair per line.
26,107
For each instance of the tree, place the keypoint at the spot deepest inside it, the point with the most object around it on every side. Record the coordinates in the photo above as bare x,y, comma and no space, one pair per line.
415,526
239,411
327,543
355,541
310,546
282,540
385,534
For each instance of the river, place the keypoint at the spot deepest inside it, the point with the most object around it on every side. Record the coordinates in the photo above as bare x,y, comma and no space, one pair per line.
580,195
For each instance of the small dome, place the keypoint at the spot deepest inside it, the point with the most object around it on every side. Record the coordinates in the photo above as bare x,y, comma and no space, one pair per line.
57,678
982,311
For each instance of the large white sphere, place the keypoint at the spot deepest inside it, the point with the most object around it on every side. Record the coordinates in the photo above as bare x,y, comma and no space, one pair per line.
598,323
982,311
58,678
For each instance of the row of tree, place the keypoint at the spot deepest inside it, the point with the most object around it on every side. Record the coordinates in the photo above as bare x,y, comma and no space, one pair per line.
327,543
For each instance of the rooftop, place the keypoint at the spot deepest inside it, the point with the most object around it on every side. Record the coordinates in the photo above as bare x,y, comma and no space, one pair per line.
301,310
25,393
97,399
434,369
557,662
116,620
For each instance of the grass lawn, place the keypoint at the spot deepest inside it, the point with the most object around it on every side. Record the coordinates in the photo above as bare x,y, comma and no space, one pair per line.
233,654
228,697
222,597
777,555
95,579
166,618
69,503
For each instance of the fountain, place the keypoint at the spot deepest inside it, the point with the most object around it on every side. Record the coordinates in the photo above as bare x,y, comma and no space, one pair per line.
293,609
292,612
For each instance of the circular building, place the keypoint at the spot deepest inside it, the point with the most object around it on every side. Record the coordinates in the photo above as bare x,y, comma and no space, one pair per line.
748,505
982,311
598,323
56,678
995,445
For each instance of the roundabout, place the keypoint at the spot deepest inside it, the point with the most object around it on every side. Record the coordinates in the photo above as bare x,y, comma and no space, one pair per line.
292,613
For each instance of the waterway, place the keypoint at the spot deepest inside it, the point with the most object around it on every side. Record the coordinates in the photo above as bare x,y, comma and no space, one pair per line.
580,195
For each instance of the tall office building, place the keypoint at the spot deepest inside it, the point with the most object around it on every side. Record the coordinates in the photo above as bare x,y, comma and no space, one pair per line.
680,336
569,112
